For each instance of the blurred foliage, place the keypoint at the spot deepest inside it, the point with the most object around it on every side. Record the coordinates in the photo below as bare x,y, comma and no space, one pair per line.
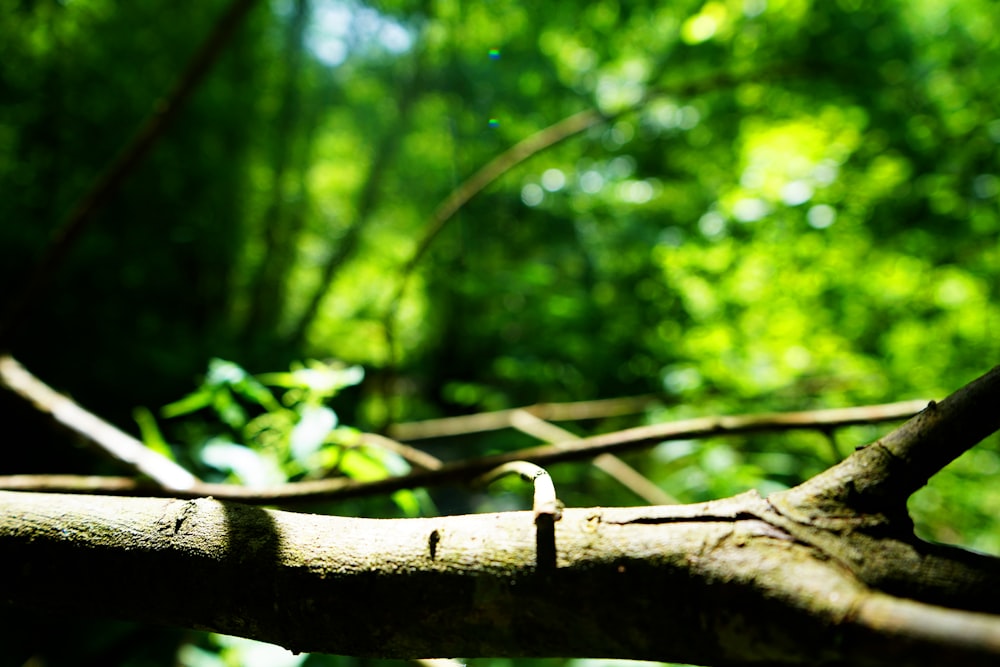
235,429
793,204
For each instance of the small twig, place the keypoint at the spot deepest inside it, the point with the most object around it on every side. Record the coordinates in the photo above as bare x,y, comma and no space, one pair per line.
545,502
119,445
609,464
438,662
614,407
546,507
418,458
629,439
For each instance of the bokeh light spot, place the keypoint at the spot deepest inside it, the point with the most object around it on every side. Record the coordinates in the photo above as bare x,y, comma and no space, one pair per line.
553,180
591,182
821,216
532,194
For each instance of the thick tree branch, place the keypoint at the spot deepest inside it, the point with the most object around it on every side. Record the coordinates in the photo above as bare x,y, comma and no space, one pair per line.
860,503
716,583
876,480
828,573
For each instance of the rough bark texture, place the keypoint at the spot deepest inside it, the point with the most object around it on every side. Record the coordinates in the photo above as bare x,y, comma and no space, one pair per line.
827,573
718,583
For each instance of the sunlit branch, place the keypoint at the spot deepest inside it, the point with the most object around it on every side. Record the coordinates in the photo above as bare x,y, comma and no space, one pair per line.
109,182
886,472
609,464
545,500
461,471
118,444
500,419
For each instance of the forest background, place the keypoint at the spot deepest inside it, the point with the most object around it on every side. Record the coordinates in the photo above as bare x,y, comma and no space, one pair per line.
729,207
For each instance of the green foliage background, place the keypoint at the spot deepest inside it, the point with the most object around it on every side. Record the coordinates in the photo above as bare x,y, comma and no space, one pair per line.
792,205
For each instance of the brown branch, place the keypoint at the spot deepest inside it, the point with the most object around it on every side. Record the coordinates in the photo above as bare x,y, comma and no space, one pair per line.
585,448
500,419
714,583
611,465
494,169
124,164
881,476
615,407
531,146
119,445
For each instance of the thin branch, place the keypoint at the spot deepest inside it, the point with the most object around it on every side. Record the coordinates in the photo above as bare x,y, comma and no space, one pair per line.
611,465
494,169
545,501
613,407
881,476
416,457
585,448
118,444
126,163
501,419
531,146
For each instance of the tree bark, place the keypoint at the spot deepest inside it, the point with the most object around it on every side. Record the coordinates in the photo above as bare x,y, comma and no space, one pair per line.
717,583
827,573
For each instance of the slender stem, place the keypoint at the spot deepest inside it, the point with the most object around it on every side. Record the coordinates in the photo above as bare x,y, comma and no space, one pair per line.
119,445
105,187
584,448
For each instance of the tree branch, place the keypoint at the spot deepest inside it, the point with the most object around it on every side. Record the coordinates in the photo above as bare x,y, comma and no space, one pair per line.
124,164
460,471
119,445
877,480
609,464
715,583
615,407
500,419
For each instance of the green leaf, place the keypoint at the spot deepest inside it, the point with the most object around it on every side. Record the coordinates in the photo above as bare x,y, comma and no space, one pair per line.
151,435
250,467
196,400
230,412
360,465
311,431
